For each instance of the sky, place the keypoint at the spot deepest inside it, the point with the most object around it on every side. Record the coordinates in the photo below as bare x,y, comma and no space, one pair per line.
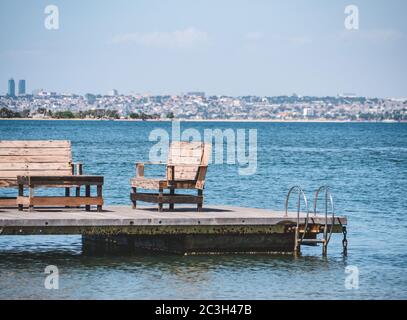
235,48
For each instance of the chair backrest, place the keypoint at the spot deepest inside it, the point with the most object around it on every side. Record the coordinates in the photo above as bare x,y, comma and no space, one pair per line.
188,154
42,158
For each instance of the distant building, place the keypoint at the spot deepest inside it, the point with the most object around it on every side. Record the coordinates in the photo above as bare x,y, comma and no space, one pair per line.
11,88
43,93
90,98
21,87
308,112
113,93
347,95
37,92
196,94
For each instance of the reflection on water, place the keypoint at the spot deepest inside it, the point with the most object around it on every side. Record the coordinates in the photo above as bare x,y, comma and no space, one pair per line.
362,162
157,276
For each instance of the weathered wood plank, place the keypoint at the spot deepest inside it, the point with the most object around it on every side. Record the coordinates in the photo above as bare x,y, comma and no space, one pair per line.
60,201
7,177
179,159
27,166
166,198
35,152
61,180
147,183
182,184
182,171
14,174
35,144
8,202
68,178
8,182
200,181
206,154
139,169
36,159
12,182
159,183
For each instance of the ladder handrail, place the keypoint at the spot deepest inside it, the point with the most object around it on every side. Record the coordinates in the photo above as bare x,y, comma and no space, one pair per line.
328,195
300,193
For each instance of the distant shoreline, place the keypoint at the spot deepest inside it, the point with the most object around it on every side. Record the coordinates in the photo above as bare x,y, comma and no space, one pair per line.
210,120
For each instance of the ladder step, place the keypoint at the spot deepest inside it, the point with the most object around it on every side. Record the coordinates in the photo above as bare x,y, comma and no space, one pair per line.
310,231
305,241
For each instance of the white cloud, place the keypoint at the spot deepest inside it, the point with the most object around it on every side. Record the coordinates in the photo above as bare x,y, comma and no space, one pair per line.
186,38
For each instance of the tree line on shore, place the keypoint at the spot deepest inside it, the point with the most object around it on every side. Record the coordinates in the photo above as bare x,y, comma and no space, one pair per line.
6,113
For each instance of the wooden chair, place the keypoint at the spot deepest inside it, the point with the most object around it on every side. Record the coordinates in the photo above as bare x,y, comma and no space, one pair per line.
185,169
45,164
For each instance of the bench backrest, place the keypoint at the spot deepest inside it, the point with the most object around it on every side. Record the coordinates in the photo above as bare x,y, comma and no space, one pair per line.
188,153
42,158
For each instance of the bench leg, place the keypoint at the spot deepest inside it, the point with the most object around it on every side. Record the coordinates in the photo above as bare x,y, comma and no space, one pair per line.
20,194
31,195
160,200
134,191
172,192
78,193
87,194
199,206
99,194
67,194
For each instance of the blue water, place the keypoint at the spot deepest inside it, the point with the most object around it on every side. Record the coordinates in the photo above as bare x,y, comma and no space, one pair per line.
365,163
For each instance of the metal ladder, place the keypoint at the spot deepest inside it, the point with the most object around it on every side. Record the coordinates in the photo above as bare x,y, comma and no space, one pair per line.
328,229
301,229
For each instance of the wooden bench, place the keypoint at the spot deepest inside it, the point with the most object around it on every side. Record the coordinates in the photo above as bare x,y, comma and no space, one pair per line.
185,169
45,164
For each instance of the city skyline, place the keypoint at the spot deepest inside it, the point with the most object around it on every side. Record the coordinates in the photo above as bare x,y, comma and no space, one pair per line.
198,106
21,91
115,92
265,48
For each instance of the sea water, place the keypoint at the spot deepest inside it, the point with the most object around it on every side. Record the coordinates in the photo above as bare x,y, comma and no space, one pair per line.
364,163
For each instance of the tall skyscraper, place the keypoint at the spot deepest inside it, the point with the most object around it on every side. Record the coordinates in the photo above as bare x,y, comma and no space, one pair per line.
11,88
21,87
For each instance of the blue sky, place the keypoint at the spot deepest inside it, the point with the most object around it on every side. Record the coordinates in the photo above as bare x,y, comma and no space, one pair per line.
220,47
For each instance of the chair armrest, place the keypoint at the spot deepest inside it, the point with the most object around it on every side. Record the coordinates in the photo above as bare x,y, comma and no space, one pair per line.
150,162
77,168
200,181
170,174
140,167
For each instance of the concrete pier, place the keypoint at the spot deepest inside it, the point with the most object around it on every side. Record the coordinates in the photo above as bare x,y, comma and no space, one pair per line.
217,229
